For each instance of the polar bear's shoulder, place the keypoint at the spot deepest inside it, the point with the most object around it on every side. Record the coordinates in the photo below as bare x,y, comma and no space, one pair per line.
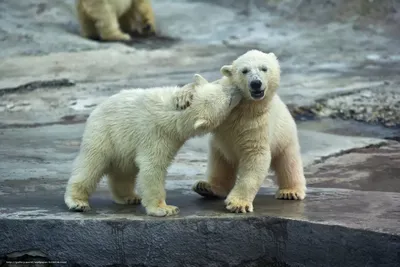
155,99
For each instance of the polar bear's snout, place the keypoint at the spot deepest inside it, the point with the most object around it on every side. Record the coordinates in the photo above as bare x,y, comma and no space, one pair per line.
256,85
257,90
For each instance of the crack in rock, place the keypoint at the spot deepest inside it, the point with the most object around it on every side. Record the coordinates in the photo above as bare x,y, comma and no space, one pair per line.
36,85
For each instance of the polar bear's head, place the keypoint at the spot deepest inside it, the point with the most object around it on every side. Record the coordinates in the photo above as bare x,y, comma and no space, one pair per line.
255,73
211,104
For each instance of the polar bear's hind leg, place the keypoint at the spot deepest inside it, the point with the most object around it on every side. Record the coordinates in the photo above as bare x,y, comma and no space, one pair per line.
88,170
105,20
290,176
87,27
122,186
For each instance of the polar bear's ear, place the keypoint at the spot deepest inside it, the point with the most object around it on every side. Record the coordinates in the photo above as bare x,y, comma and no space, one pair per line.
226,70
199,80
201,124
272,55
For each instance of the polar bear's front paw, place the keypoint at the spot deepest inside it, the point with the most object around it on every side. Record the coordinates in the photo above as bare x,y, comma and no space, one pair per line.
184,100
291,194
78,205
165,210
117,36
238,205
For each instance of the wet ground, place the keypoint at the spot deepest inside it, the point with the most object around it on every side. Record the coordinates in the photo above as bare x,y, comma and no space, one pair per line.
340,78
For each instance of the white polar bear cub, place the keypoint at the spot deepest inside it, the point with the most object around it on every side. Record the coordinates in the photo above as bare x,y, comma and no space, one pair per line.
135,134
260,132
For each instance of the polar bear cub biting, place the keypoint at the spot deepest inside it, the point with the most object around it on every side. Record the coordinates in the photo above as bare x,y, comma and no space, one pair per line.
133,136
258,134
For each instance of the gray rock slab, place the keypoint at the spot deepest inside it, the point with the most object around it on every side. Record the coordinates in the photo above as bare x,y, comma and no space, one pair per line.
329,228
375,168
48,151
122,63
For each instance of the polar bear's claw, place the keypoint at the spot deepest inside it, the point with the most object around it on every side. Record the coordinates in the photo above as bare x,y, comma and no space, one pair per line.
164,211
238,206
204,189
290,194
80,207
184,100
131,200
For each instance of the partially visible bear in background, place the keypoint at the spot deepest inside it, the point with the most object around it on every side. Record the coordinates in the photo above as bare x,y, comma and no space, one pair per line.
114,20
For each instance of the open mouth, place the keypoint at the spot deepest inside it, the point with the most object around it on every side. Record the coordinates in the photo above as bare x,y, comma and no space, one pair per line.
257,94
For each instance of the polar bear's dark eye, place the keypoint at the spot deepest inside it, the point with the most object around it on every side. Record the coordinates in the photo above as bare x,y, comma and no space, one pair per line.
244,71
264,69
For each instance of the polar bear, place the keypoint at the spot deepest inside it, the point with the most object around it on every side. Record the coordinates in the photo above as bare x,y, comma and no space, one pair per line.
135,134
113,20
259,132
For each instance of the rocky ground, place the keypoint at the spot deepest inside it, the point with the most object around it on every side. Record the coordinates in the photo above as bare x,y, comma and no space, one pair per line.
340,77
372,106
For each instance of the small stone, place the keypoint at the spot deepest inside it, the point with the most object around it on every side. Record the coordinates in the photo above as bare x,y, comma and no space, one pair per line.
24,103
10,106
90,105
366,94
225,42
17,108
373,57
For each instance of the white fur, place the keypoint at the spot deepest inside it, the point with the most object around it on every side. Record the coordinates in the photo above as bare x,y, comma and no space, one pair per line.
135,134
258,133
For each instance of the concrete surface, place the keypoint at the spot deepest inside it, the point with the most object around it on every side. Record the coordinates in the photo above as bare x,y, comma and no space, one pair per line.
48,151
374,168
330,228
35,163
340,62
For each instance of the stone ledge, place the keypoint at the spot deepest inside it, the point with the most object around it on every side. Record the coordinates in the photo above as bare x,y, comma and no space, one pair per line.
371,168
330,228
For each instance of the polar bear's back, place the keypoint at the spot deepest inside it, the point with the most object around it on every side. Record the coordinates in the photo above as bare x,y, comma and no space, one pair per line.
158,98
137,105
130,118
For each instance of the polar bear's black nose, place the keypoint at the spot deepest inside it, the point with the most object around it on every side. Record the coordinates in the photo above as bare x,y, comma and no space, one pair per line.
256,84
